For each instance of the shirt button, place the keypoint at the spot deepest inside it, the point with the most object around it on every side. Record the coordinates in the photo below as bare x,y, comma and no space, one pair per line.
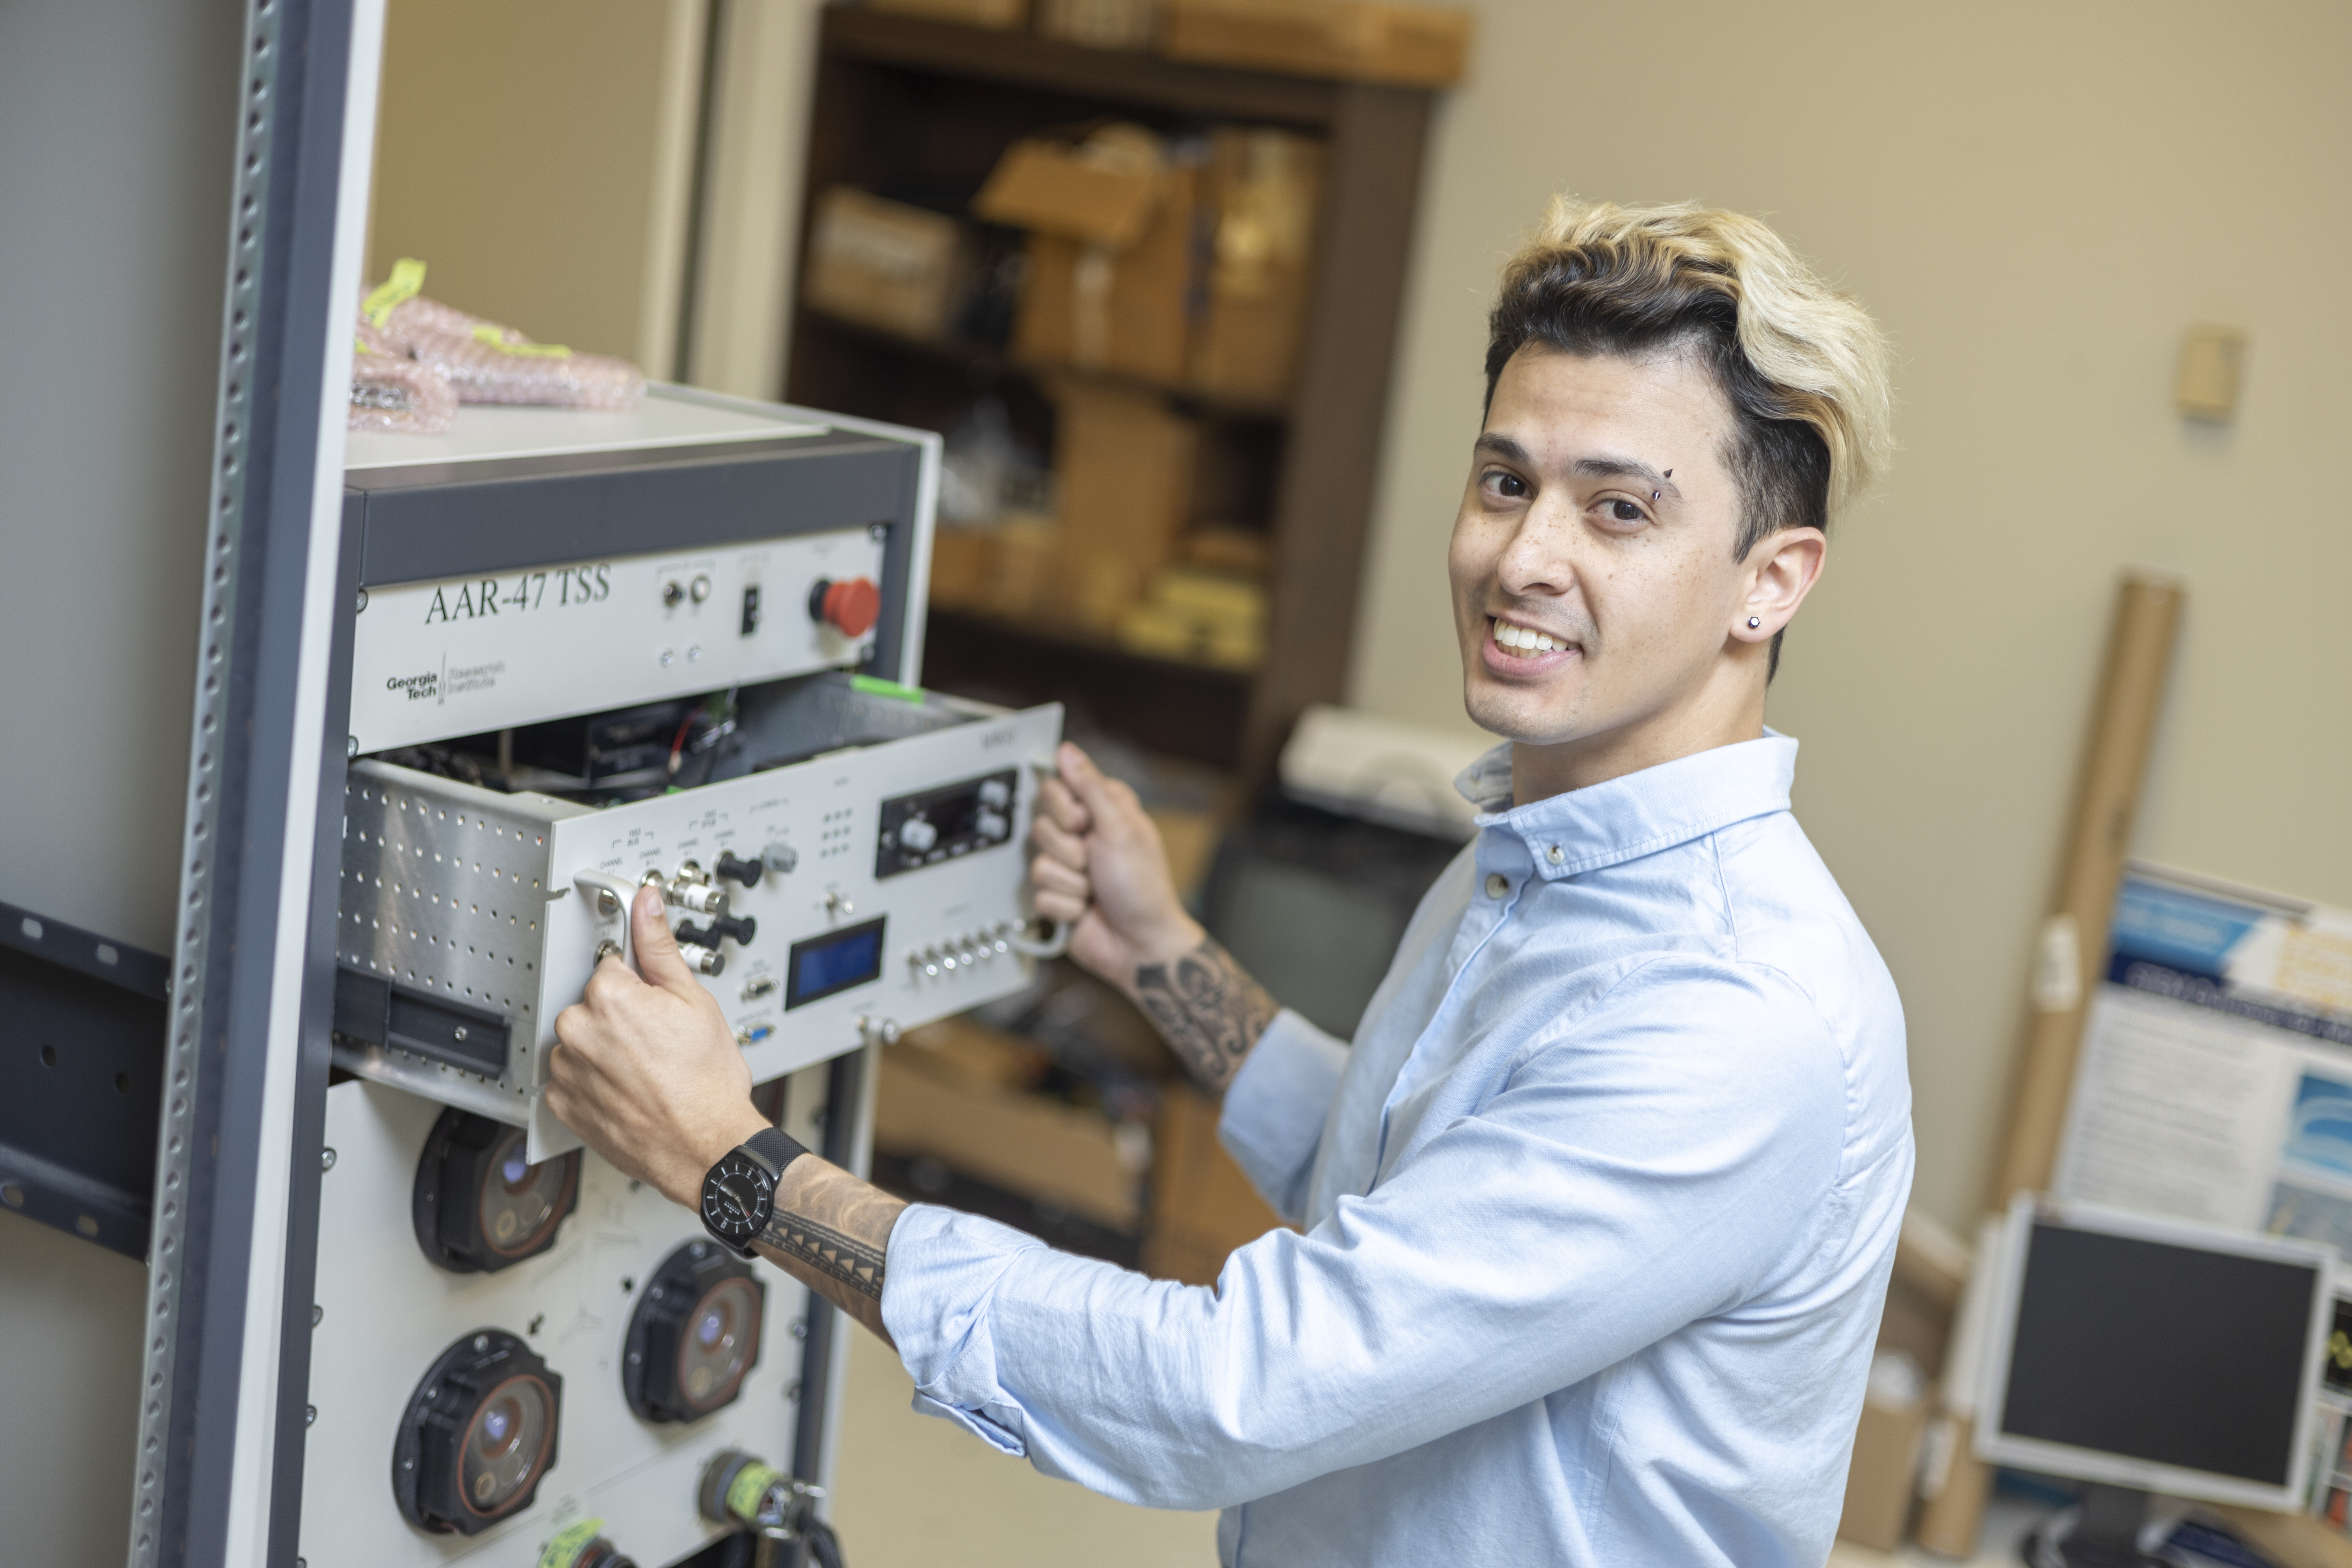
1554,855
1497,883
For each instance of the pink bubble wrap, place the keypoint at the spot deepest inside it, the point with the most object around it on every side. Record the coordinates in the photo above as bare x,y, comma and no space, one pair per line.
490,363
392,392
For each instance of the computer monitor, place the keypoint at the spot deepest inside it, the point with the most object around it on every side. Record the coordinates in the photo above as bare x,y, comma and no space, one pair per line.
2151,1355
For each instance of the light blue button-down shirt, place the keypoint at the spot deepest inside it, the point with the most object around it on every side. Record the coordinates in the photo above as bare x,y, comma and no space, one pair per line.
1597,1218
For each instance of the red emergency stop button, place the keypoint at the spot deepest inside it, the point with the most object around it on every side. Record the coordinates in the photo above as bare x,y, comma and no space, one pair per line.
852,606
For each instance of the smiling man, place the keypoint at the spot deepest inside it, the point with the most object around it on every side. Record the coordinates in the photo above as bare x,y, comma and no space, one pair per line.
1597,1212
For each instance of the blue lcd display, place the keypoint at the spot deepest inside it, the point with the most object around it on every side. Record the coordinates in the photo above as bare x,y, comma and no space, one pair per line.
834,961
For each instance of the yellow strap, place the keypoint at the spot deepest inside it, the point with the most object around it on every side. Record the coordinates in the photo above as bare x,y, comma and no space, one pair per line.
407,278
495,337
565,1549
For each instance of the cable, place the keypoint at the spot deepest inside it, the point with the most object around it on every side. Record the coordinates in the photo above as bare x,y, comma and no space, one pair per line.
824,1545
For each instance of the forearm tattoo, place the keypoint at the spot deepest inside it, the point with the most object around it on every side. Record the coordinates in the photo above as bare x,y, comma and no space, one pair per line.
832,1232
1209,1010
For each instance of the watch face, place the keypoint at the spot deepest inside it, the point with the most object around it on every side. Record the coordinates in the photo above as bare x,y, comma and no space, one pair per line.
737,1198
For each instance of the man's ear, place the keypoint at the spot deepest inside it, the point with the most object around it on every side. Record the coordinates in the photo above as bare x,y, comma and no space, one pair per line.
1778,574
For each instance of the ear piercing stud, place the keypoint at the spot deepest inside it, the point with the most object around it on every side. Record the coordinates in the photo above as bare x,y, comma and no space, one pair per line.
1754,621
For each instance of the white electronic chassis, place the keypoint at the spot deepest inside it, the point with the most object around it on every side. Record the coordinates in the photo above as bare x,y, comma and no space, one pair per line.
593,652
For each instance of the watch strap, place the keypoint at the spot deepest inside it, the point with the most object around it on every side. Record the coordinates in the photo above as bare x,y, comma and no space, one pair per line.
774,1148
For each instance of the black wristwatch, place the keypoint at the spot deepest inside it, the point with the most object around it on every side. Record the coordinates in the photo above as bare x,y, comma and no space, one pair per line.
740,1194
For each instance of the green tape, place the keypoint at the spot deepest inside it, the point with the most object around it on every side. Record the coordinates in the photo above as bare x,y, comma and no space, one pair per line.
875,686
751,1483
565,1549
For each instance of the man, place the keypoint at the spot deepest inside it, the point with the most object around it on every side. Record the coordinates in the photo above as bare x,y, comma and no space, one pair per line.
1597,1211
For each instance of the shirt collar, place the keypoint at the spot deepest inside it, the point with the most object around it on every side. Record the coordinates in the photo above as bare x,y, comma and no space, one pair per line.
1639,813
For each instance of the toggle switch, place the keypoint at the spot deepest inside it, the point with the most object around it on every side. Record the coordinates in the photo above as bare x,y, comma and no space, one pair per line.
850,607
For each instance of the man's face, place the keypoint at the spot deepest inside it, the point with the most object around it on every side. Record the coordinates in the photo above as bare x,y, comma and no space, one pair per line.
1594,587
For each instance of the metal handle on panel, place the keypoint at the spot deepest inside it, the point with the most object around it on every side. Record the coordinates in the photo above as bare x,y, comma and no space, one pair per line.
608,898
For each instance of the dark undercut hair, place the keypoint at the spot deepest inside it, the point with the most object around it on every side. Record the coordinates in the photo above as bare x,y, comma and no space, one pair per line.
1803,368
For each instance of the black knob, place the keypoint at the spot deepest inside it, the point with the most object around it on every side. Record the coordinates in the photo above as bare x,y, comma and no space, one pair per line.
741,928
744,871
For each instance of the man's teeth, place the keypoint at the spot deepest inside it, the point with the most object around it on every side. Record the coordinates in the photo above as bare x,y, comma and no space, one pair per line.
1525,637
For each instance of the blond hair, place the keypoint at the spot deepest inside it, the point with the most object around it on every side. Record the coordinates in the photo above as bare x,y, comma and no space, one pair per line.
1804,367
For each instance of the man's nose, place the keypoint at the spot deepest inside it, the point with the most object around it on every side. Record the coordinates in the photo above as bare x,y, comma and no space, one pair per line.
1538,558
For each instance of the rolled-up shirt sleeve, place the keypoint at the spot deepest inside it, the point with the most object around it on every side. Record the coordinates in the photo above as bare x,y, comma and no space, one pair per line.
1645,1166
1276,1108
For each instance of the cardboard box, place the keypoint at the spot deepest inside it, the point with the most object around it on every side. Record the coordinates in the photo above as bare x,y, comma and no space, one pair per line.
1110,253
961,560
1202,1206
1358,40
1931,1267
1099,24
1024,1143
1123,465
1263,186
998,15
1103,191
1205,616
885,264
1879,1484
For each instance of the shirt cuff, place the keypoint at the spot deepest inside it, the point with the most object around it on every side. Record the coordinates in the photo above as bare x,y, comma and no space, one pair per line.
1276,1108
938,1283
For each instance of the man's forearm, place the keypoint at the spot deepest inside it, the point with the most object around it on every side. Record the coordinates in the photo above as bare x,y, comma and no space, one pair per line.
832,1232
1209,1010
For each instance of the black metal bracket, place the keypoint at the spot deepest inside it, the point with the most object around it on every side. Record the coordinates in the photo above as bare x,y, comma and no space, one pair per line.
81,1077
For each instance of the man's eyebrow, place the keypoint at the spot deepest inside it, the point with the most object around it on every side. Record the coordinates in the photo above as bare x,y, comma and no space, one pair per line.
1625,469
1606,468
1503,447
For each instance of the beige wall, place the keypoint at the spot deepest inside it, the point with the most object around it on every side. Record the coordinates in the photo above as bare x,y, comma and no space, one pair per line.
2037,200
537,155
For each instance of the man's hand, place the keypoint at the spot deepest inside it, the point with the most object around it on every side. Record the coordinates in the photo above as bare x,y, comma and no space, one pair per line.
647,1071
1100,865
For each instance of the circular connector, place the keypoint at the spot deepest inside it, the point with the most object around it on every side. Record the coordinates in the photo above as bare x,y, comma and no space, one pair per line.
582,1546
700,590
671,594
478,1205
695,1335
744,871
477,1435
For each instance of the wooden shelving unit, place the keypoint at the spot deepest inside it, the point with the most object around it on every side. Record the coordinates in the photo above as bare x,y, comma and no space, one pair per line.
902,103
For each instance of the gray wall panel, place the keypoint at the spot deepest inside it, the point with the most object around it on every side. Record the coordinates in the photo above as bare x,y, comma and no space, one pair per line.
116,133
116,130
